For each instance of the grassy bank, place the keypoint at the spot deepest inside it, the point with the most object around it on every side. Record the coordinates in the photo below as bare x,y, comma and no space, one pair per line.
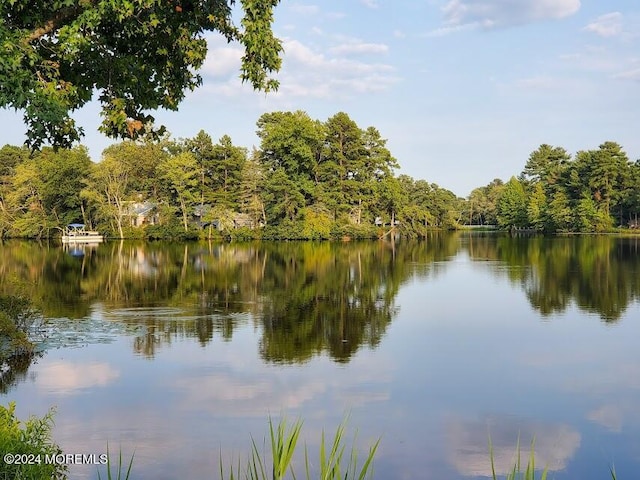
271,459
274,461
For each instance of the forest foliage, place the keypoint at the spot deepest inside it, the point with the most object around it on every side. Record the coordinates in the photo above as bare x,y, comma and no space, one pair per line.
593,191
308,179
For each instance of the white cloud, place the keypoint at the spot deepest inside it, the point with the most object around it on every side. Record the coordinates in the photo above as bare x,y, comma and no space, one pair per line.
633,75
490,14
442,31
305,9
307,71
539,82
359,48
222,61
597,59
608,25
369,3
336,15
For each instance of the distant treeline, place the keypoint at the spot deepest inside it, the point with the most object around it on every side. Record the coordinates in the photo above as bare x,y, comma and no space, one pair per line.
308,179
594,191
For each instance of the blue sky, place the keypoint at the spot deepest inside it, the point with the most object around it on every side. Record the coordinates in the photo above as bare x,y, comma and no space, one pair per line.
464,90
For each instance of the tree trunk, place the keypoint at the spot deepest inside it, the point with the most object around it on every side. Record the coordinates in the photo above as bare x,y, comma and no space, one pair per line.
184,215
119,214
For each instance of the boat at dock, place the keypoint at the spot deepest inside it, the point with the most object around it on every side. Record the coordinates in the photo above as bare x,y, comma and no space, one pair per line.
76,233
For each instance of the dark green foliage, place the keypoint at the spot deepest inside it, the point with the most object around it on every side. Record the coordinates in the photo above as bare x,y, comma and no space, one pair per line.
351,231
20,325
172,231
537,208
309,180
545,166
42,192
512,206
285,230
482,206
139,55
21,329
591,193
560,215
428,205
245,234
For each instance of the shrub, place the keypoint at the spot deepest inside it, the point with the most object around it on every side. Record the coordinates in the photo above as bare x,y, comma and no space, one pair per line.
34,438
354,231
20,326
169,232
245,234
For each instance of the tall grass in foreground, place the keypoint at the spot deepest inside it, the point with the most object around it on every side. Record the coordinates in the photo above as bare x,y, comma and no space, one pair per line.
119,471
31,437
332,464
516,472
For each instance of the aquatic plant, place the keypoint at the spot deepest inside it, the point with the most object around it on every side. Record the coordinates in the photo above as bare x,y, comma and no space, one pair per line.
332,464
119,471
516,472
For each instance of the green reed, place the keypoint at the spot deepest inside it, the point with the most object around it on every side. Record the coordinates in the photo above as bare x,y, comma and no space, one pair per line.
333,464
119,471
516,472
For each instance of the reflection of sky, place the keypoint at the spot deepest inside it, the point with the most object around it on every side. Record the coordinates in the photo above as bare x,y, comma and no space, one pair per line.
465,355
61,377
555,444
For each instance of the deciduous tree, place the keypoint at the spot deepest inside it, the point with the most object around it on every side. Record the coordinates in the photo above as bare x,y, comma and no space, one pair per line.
180,172
138,55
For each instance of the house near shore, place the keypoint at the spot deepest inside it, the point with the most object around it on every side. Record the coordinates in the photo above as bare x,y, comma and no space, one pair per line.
204,216
379,222
142,213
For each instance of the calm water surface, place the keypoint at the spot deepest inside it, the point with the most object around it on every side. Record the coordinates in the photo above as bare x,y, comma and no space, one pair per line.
181,352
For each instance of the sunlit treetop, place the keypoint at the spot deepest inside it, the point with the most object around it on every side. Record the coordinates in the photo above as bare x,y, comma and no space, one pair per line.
137,55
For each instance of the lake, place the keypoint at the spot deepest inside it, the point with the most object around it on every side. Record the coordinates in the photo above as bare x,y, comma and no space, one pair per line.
181,352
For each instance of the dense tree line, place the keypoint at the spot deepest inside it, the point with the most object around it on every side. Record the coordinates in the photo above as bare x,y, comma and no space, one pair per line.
309,179
594,191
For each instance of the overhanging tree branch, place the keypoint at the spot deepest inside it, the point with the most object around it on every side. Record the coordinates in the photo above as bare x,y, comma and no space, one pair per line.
60,18
140,54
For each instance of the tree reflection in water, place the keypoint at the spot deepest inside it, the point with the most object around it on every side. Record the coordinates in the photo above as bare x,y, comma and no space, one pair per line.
598,273
305,298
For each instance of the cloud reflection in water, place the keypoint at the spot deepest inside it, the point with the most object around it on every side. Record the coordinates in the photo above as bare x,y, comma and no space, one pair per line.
66,378
468,444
